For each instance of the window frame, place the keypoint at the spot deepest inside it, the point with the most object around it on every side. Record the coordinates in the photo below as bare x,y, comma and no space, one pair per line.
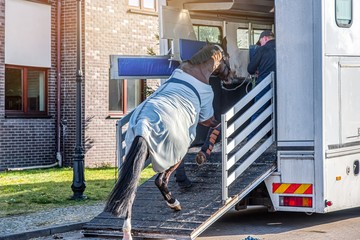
47,2
204,25
124,89
142,8
24,112
342,25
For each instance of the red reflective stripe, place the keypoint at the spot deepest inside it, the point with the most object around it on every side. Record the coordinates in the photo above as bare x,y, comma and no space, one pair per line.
292,188
309,190
276,186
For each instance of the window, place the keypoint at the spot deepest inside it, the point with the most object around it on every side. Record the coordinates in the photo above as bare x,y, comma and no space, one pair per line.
125,95
242,38
147,5
25,90
343,13
246,38
208,33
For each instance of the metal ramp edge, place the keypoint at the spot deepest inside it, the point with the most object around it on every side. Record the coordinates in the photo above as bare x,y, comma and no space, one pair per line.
231,203
202,203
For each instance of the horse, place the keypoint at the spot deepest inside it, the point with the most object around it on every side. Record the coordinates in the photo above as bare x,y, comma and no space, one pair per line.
163,127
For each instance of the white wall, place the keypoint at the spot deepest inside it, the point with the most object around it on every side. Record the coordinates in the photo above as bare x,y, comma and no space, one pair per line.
295,72
341,78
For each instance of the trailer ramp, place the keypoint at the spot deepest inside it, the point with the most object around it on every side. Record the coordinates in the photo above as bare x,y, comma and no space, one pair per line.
238,164
201,204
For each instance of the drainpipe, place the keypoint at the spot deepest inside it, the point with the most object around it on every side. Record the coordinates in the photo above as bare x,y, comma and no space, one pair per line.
58,84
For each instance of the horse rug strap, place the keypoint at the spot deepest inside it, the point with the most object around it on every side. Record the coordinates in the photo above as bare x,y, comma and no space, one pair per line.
175,80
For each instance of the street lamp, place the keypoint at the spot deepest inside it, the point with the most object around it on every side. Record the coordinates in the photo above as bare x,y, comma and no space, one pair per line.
78,185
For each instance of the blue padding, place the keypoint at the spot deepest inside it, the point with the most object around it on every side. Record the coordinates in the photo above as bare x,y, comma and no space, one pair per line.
189,47
132,66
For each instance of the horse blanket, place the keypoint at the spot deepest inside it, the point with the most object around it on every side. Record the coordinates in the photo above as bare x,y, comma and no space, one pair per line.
167,119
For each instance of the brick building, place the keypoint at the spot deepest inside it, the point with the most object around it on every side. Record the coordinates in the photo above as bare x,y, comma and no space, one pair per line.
38,54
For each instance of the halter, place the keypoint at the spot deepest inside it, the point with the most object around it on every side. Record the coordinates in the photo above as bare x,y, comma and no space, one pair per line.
224,59
223,69
229,69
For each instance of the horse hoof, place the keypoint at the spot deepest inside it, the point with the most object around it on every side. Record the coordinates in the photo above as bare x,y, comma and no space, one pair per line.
200,158
127,230
127,236
175,206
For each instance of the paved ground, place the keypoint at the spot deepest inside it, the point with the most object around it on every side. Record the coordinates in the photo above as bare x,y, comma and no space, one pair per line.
257,223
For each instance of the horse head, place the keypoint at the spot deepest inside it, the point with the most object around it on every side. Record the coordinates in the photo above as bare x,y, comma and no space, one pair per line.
223,70
216,56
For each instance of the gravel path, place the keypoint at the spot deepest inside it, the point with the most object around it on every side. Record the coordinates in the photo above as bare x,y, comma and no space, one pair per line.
49,218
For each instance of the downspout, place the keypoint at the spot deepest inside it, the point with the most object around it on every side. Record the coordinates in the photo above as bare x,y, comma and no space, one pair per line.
58,85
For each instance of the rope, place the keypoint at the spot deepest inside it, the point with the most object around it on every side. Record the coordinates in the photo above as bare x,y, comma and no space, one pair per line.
246,80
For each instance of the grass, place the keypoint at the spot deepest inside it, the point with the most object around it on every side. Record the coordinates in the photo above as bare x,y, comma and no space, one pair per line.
33,190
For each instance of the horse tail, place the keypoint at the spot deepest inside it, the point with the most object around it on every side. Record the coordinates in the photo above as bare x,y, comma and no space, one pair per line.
122,195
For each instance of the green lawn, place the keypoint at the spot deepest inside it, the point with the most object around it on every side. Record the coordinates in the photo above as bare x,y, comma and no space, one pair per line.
33,190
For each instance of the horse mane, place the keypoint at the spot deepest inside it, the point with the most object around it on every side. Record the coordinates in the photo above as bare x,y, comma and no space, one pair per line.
204,54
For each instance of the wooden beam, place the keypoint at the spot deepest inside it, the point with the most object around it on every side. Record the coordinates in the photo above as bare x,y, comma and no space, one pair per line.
48,2
208,6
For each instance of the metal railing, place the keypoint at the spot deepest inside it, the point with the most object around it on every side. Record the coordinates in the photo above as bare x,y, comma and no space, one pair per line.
236,145
120,138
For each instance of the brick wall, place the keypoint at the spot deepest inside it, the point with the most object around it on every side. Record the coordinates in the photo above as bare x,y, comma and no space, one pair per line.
26,142
109,29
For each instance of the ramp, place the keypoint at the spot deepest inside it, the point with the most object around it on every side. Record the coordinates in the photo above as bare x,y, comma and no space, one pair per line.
201,204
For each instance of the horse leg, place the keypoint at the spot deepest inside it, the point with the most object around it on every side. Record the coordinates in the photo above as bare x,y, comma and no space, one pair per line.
182,180
162,181
204,154
127,221
127,227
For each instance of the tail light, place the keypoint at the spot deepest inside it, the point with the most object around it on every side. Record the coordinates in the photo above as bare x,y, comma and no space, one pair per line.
289,201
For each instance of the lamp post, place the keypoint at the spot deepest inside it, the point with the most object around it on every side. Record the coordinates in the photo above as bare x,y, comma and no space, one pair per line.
78,185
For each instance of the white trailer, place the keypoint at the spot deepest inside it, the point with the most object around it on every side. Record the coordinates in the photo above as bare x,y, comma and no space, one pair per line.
317,92
318,117
313,120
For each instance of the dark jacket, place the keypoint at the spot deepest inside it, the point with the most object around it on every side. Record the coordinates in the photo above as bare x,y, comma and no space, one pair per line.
263,61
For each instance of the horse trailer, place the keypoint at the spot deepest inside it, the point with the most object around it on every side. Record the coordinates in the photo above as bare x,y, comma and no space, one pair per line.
316,90
305,155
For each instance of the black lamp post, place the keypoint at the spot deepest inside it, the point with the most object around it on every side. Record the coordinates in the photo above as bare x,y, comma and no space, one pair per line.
78,185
